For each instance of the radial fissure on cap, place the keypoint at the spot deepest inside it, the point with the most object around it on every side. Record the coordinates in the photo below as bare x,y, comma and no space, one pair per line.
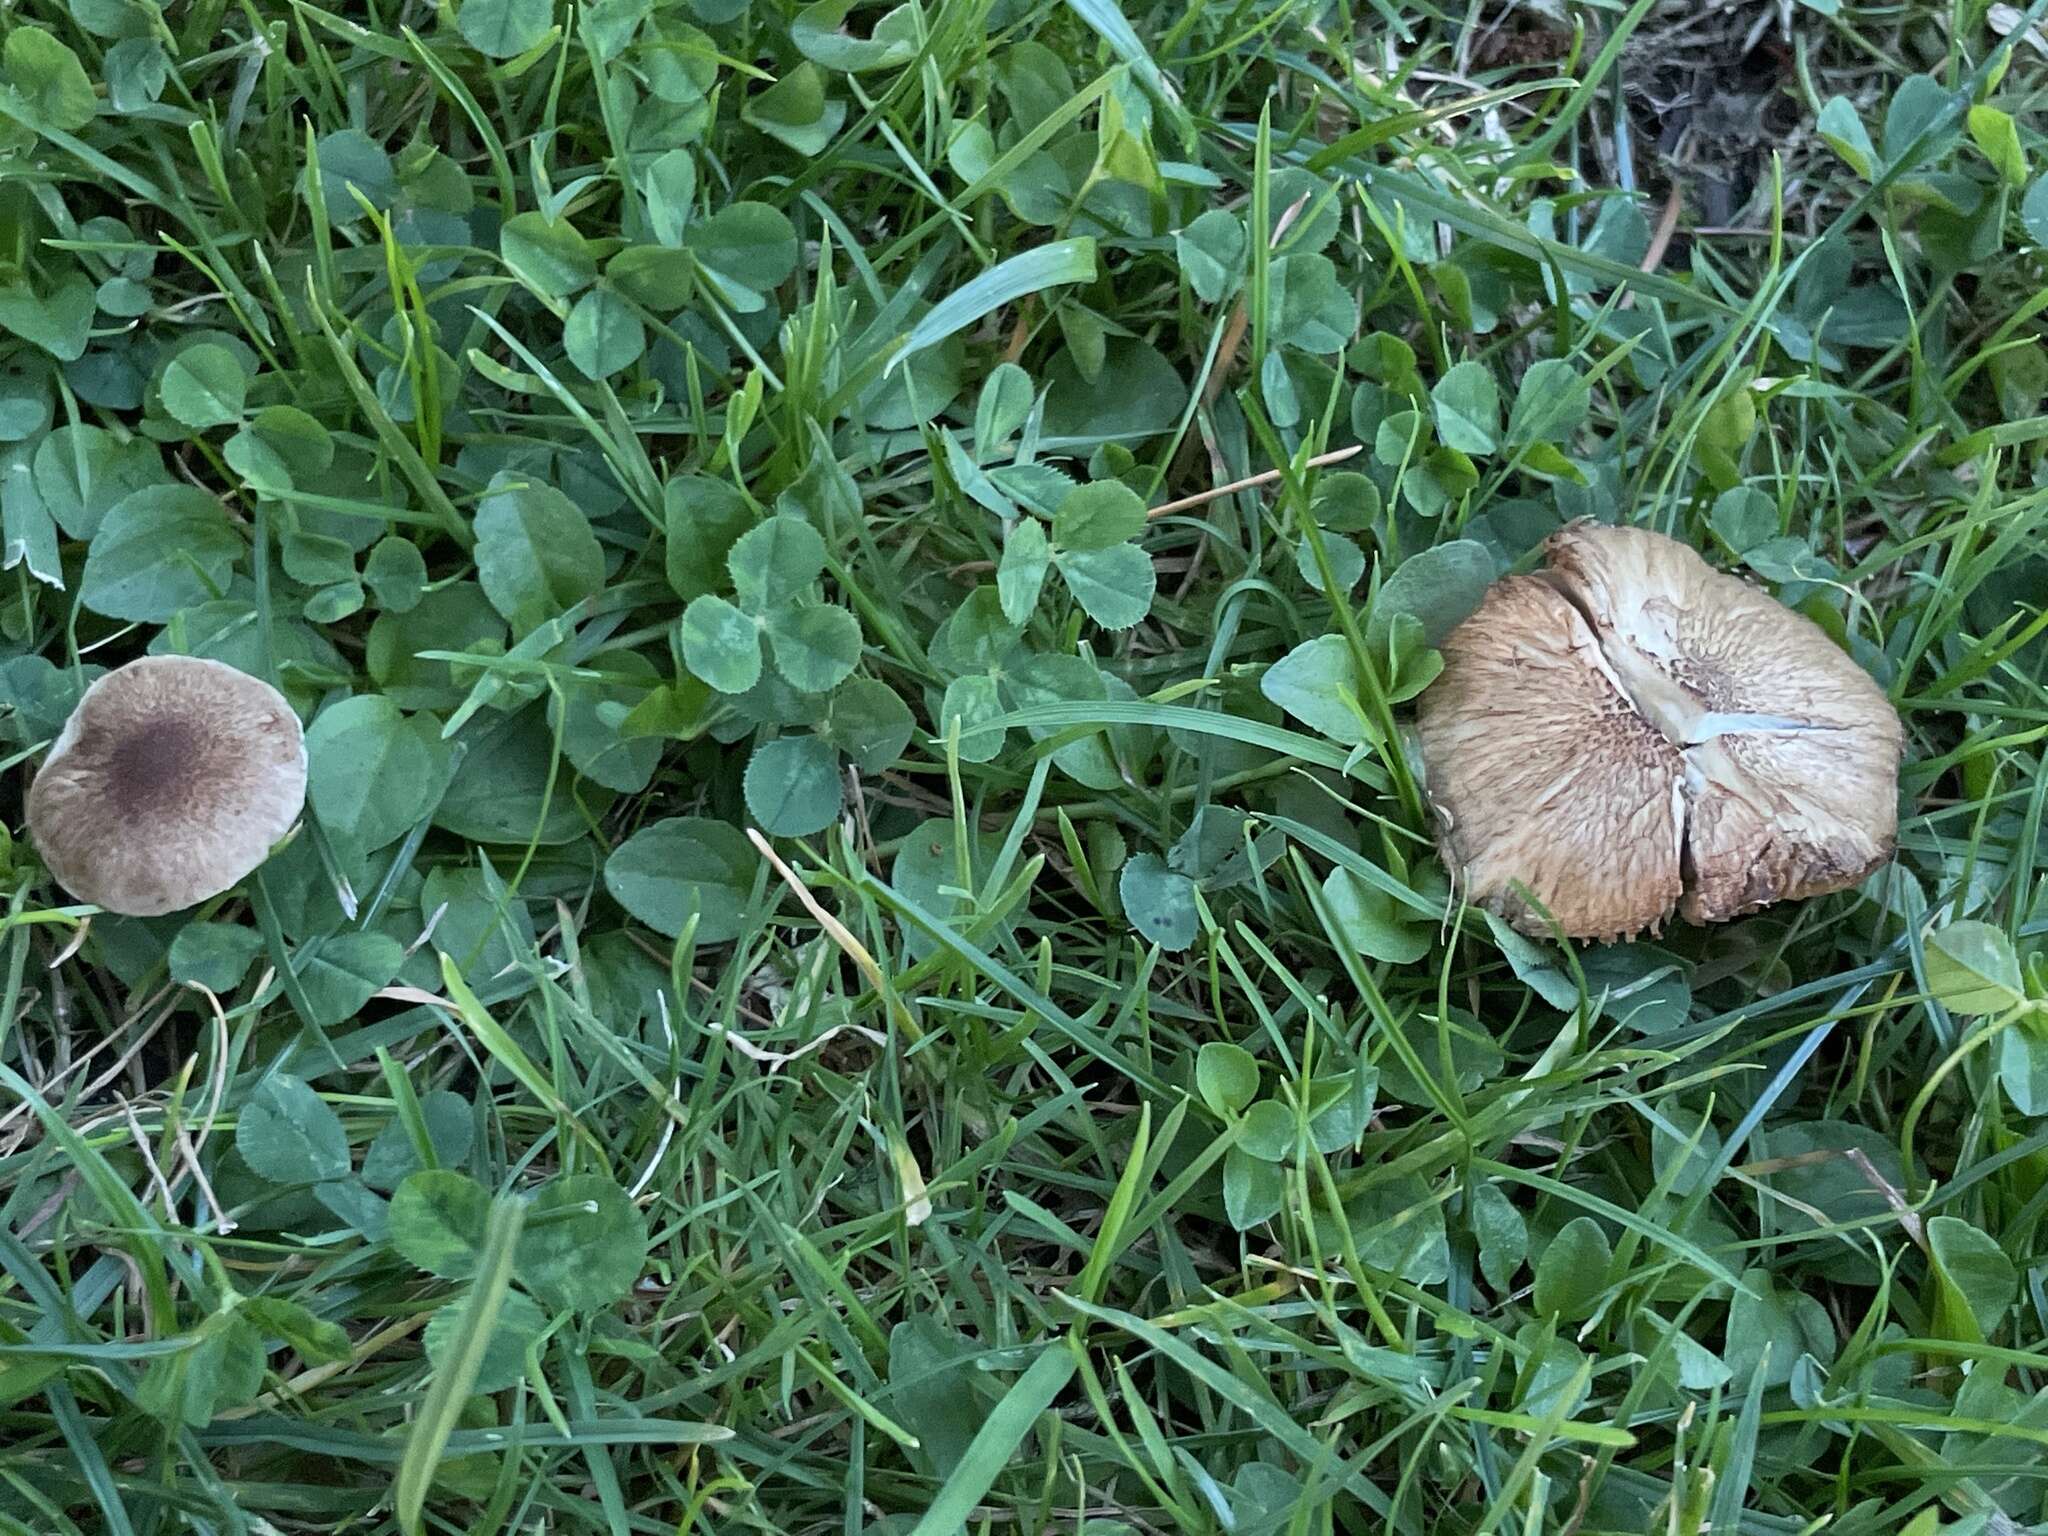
1630,733
170,782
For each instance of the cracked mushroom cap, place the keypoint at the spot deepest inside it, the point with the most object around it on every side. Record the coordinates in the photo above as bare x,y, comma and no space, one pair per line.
172,780
1631,732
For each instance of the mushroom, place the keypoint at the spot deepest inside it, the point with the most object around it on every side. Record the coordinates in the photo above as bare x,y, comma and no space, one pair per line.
172,779
1630,732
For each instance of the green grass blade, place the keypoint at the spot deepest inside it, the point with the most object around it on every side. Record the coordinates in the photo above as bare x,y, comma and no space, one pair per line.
1043,267
451,1385
989,1453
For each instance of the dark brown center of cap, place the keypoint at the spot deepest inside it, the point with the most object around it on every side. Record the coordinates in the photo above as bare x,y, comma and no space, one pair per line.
152,765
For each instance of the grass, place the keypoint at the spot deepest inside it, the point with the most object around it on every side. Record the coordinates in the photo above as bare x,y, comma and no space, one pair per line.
836,981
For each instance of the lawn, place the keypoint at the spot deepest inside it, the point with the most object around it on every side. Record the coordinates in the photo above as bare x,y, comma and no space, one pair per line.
868,951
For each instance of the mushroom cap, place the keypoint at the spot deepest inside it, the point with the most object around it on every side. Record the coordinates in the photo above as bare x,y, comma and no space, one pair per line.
1631,732
172,780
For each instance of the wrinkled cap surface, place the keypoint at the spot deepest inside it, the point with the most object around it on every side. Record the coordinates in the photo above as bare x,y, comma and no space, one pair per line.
1631,732
170,782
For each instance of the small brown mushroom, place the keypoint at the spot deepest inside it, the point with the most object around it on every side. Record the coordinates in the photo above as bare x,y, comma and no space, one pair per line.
172,780
1631,732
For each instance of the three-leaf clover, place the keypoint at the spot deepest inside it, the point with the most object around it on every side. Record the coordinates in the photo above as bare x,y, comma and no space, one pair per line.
1332,1108
1111,577
774,567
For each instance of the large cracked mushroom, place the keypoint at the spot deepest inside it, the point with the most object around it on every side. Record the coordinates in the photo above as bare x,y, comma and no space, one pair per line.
172,779
1630,733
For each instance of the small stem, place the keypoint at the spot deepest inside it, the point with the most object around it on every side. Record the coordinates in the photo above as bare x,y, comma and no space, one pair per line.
1334,456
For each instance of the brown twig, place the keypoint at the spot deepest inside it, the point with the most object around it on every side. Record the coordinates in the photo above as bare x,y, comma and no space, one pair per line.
1667,226
1660,242
1020,333
1334,456
1240,317
1265,477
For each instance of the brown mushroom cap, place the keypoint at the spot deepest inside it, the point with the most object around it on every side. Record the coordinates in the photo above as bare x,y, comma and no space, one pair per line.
172,780
1631,731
